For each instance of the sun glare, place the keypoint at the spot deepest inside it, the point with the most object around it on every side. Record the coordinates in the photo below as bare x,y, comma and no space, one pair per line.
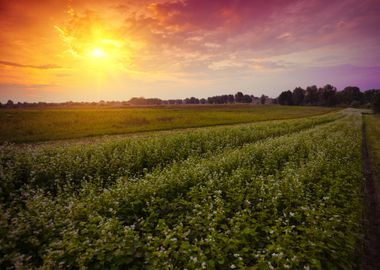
96,48
98,53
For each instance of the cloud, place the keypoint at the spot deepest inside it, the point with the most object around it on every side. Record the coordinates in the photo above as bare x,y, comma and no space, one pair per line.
17,86
251,28
268,43
13,64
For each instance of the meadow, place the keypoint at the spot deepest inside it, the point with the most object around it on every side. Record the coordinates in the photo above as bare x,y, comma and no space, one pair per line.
21,125
282,194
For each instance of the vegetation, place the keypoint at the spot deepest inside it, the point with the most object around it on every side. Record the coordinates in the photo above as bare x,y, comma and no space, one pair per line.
373,135
376,103
266,195
39,125
329,96
311,96
53,168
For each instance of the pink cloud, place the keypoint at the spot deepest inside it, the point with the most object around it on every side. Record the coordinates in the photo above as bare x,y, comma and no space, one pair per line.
222,41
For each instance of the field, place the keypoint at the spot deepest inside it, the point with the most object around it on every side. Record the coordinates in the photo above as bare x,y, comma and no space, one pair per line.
47,124
283,194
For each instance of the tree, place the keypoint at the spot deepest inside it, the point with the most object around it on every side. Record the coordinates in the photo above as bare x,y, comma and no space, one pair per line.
247,99
376,102
311,97
327,95
368,95
298,96
286,98
350,94
192,100
9,104
263,98
239,97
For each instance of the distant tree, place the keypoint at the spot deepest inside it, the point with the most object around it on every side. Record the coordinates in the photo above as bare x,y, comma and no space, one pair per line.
368,95
286,98
263,98
311,97
9,104
327,95
298,96
376,102
144,101
239,97
246,99
192,100
231,99
350,94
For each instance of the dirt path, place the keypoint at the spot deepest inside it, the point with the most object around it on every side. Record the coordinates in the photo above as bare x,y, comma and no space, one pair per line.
371,256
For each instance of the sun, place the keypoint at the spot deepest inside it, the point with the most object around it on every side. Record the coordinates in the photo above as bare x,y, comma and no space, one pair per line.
98,53
96,44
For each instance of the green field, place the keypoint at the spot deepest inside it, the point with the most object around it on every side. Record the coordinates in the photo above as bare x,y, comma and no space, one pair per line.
277,194
43,124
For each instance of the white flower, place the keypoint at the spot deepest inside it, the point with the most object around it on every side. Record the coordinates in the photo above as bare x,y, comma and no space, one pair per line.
233,266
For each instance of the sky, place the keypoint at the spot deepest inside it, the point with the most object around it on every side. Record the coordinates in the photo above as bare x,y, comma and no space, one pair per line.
82,50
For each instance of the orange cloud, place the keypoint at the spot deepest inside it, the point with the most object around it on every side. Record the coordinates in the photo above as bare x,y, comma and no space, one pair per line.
130,45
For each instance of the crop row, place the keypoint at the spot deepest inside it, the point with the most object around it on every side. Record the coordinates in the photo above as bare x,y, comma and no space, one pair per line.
287,202
52,168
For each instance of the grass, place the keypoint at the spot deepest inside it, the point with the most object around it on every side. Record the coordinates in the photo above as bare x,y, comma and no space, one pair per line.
373,140
35,125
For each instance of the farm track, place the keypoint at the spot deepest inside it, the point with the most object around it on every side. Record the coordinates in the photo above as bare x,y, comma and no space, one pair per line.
371,254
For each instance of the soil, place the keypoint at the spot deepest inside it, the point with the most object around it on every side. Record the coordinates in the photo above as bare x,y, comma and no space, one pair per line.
371,252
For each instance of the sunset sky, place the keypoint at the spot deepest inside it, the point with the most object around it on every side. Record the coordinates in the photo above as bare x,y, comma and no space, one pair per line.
56,50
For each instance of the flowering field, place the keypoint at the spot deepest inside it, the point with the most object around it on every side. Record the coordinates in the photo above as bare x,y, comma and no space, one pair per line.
36,125
274,195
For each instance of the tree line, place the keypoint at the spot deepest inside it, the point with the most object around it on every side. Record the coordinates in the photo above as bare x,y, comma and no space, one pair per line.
311,96
239,97
329,96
